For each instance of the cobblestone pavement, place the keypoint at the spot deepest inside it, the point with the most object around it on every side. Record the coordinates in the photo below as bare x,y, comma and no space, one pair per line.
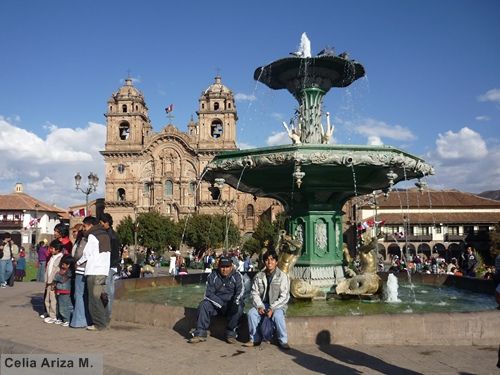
134,349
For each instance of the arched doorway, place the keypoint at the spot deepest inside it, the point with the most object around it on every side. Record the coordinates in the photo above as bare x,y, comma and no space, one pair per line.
425,249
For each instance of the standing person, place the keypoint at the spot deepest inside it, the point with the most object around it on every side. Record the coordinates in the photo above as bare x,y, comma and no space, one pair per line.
223,296
42,254
470,262
62,282
171,267
106,221
8,252
61,233
81,315
21,265
179,262
56,249
97,255
270,294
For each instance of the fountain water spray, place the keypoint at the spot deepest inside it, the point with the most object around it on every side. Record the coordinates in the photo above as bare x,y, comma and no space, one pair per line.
391,290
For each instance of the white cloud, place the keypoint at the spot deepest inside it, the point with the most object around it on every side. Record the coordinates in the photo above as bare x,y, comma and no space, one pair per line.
463,161
245,97
47,166
375,130
492,95
482,118
466,144
277,139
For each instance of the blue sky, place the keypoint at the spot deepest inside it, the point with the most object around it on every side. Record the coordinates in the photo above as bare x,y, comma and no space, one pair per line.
432,85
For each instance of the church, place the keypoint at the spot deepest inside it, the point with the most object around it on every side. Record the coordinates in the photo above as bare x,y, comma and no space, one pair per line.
160,171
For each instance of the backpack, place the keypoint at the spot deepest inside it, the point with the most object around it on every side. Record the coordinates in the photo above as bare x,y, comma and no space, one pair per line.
267,328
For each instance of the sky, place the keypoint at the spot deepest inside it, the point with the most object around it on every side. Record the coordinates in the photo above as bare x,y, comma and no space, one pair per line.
432,86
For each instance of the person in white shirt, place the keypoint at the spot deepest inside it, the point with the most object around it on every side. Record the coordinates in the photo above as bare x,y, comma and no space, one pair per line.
97,255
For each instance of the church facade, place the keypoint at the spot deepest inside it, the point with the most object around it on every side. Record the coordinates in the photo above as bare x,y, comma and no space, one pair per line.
160,171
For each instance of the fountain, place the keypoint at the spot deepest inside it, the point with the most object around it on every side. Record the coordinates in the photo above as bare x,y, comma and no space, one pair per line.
313,178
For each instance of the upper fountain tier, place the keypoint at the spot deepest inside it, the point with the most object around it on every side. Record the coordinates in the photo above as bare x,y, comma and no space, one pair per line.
320,72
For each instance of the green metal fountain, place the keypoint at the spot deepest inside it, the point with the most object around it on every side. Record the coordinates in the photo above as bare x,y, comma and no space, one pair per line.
311,177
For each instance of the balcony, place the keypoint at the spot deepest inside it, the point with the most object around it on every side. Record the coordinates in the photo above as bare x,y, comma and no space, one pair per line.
410,237
454,237
11,224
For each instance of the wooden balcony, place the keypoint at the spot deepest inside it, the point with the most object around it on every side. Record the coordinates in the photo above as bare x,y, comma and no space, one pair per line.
11,224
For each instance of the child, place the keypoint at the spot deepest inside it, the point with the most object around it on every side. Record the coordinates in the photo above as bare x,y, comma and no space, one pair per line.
21,265
55,249
62,281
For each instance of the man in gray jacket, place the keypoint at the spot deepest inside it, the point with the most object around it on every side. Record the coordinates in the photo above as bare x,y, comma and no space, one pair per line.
270,294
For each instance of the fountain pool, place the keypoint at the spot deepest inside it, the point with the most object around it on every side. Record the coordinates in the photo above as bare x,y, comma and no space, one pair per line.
419,298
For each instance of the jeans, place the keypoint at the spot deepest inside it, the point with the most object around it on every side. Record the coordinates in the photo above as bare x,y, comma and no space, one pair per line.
81,315
254,325
110,290
96,285
207,309
64,307
6,269
40,273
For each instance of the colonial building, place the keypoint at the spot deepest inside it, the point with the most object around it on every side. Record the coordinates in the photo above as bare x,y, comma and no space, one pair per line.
428,222
28,219
160,171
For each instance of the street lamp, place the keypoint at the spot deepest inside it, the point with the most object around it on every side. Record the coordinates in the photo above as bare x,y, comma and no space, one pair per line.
93,180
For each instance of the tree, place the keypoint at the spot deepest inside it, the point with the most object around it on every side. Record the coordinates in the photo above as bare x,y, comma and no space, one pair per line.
154,231
267,231
204,231
251,246
125,230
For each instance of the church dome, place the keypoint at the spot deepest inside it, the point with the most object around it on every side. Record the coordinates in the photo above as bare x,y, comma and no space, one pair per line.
217,87
127,91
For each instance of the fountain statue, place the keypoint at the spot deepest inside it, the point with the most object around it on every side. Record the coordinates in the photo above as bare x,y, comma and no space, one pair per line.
311,177
367,282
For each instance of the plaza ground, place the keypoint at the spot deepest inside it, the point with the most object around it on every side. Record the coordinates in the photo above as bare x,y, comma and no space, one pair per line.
135,349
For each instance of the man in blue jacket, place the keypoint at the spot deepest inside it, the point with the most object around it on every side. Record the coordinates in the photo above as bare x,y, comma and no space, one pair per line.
223,296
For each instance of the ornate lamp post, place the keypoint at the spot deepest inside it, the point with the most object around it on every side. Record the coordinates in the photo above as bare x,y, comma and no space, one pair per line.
93,181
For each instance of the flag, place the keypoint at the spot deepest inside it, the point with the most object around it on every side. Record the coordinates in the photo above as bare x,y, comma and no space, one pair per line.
170,108
33,222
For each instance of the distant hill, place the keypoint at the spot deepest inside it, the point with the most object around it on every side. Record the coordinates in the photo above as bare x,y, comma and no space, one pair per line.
491,194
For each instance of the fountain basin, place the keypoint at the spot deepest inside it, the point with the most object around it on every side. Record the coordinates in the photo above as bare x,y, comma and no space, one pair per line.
444,328
328,181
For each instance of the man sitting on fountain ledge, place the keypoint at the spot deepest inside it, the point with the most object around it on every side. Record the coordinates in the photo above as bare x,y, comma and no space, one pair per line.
270,295
223,296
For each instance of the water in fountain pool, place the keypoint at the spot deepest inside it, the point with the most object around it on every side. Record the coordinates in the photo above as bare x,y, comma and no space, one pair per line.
427,299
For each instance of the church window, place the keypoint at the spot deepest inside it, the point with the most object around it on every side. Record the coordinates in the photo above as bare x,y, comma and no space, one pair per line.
216,129
111,108
145,188
192,186
120,168
124,108
216,106
124,131
120,195
136,108
229,105
169,188
202,105
250,211
214,192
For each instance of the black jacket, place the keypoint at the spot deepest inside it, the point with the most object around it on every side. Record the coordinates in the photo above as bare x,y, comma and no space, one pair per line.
224,290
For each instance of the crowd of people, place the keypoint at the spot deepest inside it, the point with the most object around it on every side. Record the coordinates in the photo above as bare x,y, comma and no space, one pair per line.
79,274
466,265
